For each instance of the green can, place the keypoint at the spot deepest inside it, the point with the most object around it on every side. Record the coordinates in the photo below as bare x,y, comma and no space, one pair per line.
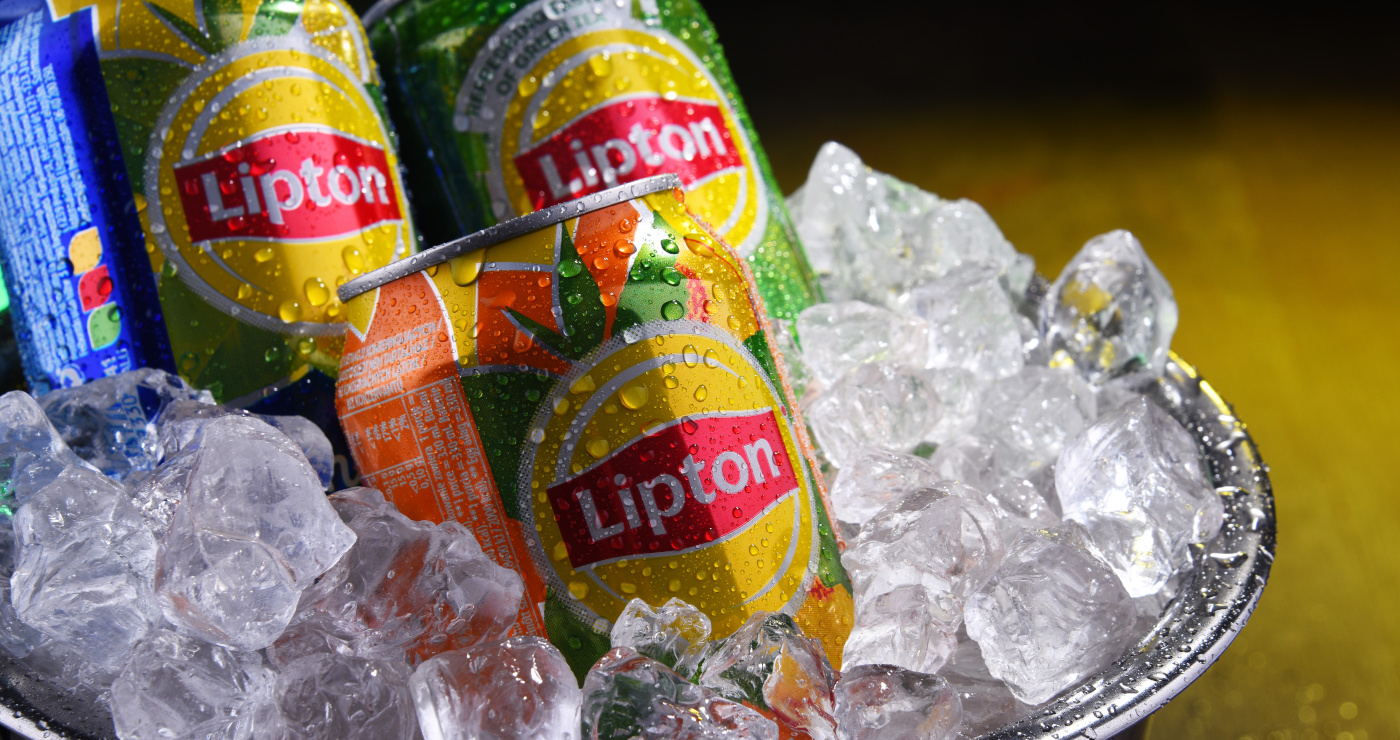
510,107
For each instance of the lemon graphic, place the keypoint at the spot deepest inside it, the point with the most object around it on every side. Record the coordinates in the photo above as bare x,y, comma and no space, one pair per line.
665,385
626,100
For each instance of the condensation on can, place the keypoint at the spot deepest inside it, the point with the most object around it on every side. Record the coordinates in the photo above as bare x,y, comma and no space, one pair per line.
519,106
592,390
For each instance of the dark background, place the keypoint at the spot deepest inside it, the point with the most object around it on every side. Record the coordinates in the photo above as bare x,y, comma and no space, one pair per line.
795,60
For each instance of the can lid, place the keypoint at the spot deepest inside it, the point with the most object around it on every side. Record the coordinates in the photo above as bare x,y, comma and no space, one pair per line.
505,231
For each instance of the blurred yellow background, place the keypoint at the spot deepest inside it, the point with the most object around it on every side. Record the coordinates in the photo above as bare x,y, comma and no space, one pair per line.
1277,222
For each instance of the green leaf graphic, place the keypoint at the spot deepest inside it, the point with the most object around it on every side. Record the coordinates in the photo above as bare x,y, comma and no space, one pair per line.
653,280
544,335
505,403
580,300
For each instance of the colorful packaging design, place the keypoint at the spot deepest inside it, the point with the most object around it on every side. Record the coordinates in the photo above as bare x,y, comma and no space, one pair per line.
592,390
513,107
204,174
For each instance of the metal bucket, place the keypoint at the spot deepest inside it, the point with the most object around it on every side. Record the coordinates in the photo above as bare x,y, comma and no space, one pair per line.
1215,601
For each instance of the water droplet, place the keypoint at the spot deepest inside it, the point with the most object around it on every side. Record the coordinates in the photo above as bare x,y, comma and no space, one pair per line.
670,246
245,291
272,354
354,261
690,355
672,310
289,311
700,393
561,406
671,277
711,359
633,396
579,589
700,245
528,86
670,382
600,64
583,385
627,588
305,346
734,323
624,247
570,268
674,585
263,255
316,291
598,447
466,268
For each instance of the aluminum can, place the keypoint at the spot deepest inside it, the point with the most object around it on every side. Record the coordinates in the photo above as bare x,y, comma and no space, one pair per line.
202,177
512,107
592,389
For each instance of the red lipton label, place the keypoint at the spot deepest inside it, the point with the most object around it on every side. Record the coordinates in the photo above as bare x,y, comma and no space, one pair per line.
288,185
625,141
681,486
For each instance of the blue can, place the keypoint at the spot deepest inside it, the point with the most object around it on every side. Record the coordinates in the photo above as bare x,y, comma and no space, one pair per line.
84,303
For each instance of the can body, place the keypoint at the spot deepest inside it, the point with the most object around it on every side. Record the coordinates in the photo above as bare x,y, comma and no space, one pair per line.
599,401
513,107
209,173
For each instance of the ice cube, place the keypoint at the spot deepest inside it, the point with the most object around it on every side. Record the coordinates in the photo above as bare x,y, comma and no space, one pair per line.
972,321
674,634
768,662
899,627
180,687
1110,311
987,707
110,422
68,666
1033,346
31,452
83,573
312,441
16,637
252,529
1033,413
627,695
869,235
879,404
886,702
1136,480
876,478
341,697
1018,501
961,394
1052,615
943,538
839,337
406,588
181,421
987,702
520,687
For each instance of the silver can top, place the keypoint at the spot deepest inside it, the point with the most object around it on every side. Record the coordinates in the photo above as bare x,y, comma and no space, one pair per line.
505,231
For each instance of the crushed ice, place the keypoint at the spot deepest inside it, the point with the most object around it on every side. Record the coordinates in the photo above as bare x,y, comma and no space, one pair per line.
1011,510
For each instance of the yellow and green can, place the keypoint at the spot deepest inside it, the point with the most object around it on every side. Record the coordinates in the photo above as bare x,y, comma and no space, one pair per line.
593,390
509,107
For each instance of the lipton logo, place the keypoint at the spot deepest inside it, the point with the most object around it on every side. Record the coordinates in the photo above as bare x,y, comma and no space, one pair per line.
680,487
628,140
307,184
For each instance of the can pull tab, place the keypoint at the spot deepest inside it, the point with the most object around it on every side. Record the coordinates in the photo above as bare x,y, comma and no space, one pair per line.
650,13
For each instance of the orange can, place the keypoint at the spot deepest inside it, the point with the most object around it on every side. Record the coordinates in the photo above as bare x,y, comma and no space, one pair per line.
593,390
